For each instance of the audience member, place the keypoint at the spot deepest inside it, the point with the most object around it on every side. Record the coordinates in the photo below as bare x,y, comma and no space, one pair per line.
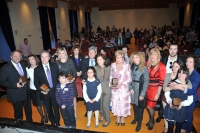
25,49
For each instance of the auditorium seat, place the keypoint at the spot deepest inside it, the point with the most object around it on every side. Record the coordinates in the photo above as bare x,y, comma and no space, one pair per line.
79,87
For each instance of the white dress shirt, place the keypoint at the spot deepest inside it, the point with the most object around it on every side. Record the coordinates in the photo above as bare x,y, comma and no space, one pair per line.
168,69
30,74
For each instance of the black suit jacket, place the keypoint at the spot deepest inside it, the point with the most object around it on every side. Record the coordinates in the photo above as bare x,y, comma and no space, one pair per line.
165,59
9,77
85,65
81,58
40,79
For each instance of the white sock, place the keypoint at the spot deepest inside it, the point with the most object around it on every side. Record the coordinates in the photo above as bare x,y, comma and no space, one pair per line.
89,114
97,116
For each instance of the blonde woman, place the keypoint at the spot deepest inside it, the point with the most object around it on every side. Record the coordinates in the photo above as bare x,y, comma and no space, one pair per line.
67,65
157,72
120,99
138,86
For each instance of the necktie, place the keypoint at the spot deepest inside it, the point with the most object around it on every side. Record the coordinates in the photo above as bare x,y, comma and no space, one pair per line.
49,77
92,63
20,70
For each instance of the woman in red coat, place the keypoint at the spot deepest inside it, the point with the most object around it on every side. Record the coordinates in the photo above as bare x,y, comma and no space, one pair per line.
157,72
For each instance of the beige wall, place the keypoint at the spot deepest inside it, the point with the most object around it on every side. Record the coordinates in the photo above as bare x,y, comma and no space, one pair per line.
81,18
141,18
62,21
25,23
188,13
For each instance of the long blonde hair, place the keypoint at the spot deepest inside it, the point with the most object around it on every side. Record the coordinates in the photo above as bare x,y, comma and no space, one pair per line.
154,50
141,56
59,50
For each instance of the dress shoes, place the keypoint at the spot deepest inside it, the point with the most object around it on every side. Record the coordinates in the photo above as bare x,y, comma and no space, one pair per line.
57,124
122,124
159,119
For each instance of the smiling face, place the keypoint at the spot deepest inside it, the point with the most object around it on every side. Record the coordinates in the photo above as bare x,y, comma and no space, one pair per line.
76,51
175,67
16,57
32,61
45,58
90,73
62,54
119,59
153,57
182,76
92,54
100,61
190,63
136,59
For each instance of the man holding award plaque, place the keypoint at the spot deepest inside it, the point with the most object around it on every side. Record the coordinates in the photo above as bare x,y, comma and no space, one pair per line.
45,81
13,76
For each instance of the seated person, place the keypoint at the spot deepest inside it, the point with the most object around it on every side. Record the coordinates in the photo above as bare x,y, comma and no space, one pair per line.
68,45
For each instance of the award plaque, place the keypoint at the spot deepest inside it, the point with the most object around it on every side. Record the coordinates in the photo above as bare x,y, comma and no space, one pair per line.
114,82
44,88
70,77
176,102
22,80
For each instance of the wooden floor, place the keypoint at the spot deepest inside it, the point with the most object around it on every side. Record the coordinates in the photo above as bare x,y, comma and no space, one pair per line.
6,110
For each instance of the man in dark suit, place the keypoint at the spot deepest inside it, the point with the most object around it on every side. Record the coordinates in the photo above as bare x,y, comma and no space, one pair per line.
90,61
17,92
168,61
47,73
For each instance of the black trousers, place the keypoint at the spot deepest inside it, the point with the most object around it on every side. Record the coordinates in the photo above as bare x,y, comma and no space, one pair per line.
18,109
138,113
52,109
160,109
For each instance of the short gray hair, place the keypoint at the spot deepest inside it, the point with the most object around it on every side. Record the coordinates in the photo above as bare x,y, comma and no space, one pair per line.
45,51
93,48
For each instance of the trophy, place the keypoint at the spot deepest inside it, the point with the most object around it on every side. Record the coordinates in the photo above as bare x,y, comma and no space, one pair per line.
176,102
22,80
44,88
114,82
70,77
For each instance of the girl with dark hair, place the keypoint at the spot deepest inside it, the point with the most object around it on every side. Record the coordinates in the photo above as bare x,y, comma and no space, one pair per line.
33,62
177,114
91,94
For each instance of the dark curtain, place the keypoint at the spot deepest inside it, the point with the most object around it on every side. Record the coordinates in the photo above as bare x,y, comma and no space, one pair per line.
87,21
52,18
73,22
44,27
6,26
181,16
194,18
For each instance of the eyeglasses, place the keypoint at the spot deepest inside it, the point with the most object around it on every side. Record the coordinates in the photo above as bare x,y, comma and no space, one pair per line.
170,65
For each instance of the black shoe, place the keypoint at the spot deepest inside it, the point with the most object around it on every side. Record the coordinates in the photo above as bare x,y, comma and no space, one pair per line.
147,124
159,119
134,121
123,124
193,129
57,124
151,126
138,128
42,120
117,123
52,124
85,114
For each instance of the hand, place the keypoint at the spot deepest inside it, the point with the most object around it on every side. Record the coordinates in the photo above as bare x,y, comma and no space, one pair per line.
43,92
156,97
78,73
141,98
83,82
63,106
179,107
132,92
19,85
119,84
91,101
171,106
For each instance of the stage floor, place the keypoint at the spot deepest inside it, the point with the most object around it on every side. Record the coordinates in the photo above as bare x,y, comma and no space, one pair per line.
7,111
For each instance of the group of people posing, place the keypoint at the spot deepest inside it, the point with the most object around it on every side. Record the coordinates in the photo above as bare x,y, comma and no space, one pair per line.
139,83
